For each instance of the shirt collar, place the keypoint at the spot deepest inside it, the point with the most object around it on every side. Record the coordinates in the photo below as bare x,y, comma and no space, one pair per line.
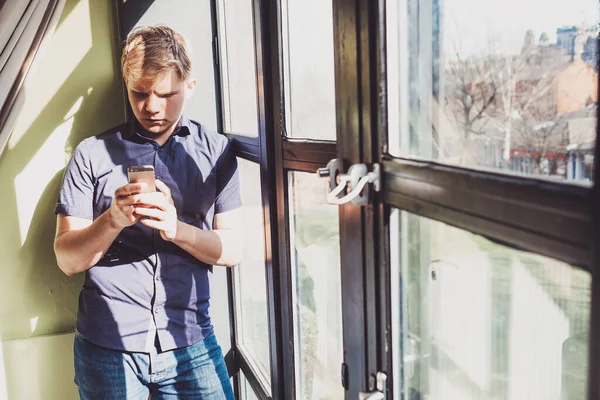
135,130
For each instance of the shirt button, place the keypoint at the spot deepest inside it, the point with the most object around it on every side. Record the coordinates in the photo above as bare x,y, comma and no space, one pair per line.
157,278
156,311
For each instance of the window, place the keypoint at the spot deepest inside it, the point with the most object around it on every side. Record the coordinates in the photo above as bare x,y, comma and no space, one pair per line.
309,92
246,391
238,67
250,278
481,320
317,302
465,314
468,88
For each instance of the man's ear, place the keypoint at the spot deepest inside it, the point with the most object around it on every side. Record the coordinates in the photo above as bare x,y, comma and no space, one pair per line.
190,88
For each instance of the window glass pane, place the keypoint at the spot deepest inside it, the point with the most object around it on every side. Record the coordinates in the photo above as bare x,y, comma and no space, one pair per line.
309,69
245,389
495,84
317,289
238,67
483,321
250,278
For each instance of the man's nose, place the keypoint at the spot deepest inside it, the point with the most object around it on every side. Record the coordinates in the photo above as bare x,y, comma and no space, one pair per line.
152,105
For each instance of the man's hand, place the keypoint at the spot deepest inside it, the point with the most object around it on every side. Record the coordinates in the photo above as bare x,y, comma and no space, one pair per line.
121,211
158,206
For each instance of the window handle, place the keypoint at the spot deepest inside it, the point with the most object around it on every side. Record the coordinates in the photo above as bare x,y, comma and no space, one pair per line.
350,185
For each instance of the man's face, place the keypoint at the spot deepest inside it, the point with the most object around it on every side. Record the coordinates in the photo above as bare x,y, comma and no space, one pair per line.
158,104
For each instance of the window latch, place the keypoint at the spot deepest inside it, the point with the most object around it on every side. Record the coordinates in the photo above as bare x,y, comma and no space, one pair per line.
351,186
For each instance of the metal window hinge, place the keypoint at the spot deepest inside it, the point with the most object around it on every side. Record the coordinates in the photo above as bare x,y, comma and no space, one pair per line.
352,186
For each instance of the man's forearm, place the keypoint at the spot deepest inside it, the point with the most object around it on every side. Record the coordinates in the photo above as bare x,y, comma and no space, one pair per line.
216,247
79,250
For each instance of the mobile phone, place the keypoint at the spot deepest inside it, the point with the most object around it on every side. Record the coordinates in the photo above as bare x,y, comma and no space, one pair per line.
143,173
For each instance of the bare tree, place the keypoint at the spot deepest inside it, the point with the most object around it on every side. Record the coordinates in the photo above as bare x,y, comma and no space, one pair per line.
504,99
472,93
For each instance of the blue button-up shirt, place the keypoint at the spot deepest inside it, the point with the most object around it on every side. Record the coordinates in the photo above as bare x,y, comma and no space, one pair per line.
145,287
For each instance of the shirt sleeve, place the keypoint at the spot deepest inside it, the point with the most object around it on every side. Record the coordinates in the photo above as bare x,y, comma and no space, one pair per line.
77,188
228,183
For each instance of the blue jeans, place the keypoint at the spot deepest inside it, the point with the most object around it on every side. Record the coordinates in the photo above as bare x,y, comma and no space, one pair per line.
194,372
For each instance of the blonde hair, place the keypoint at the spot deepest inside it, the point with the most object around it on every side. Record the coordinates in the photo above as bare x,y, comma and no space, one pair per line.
149,52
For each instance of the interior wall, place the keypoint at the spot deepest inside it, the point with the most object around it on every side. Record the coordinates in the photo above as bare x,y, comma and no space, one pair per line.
75,93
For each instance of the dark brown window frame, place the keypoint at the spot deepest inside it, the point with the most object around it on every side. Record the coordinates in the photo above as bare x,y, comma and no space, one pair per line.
558,220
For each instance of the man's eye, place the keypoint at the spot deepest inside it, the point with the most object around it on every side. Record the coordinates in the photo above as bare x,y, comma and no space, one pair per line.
140,94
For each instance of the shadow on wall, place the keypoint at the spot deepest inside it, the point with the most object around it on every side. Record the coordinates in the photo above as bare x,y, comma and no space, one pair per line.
36,298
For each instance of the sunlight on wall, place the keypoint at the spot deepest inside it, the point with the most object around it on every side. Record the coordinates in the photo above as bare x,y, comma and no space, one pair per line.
71,113
31,358
72,40
75,93
33,322
41,169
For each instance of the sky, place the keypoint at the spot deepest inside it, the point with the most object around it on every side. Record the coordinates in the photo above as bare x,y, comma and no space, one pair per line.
473,24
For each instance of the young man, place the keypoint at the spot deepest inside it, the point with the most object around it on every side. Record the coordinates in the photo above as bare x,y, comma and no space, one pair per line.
143,324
